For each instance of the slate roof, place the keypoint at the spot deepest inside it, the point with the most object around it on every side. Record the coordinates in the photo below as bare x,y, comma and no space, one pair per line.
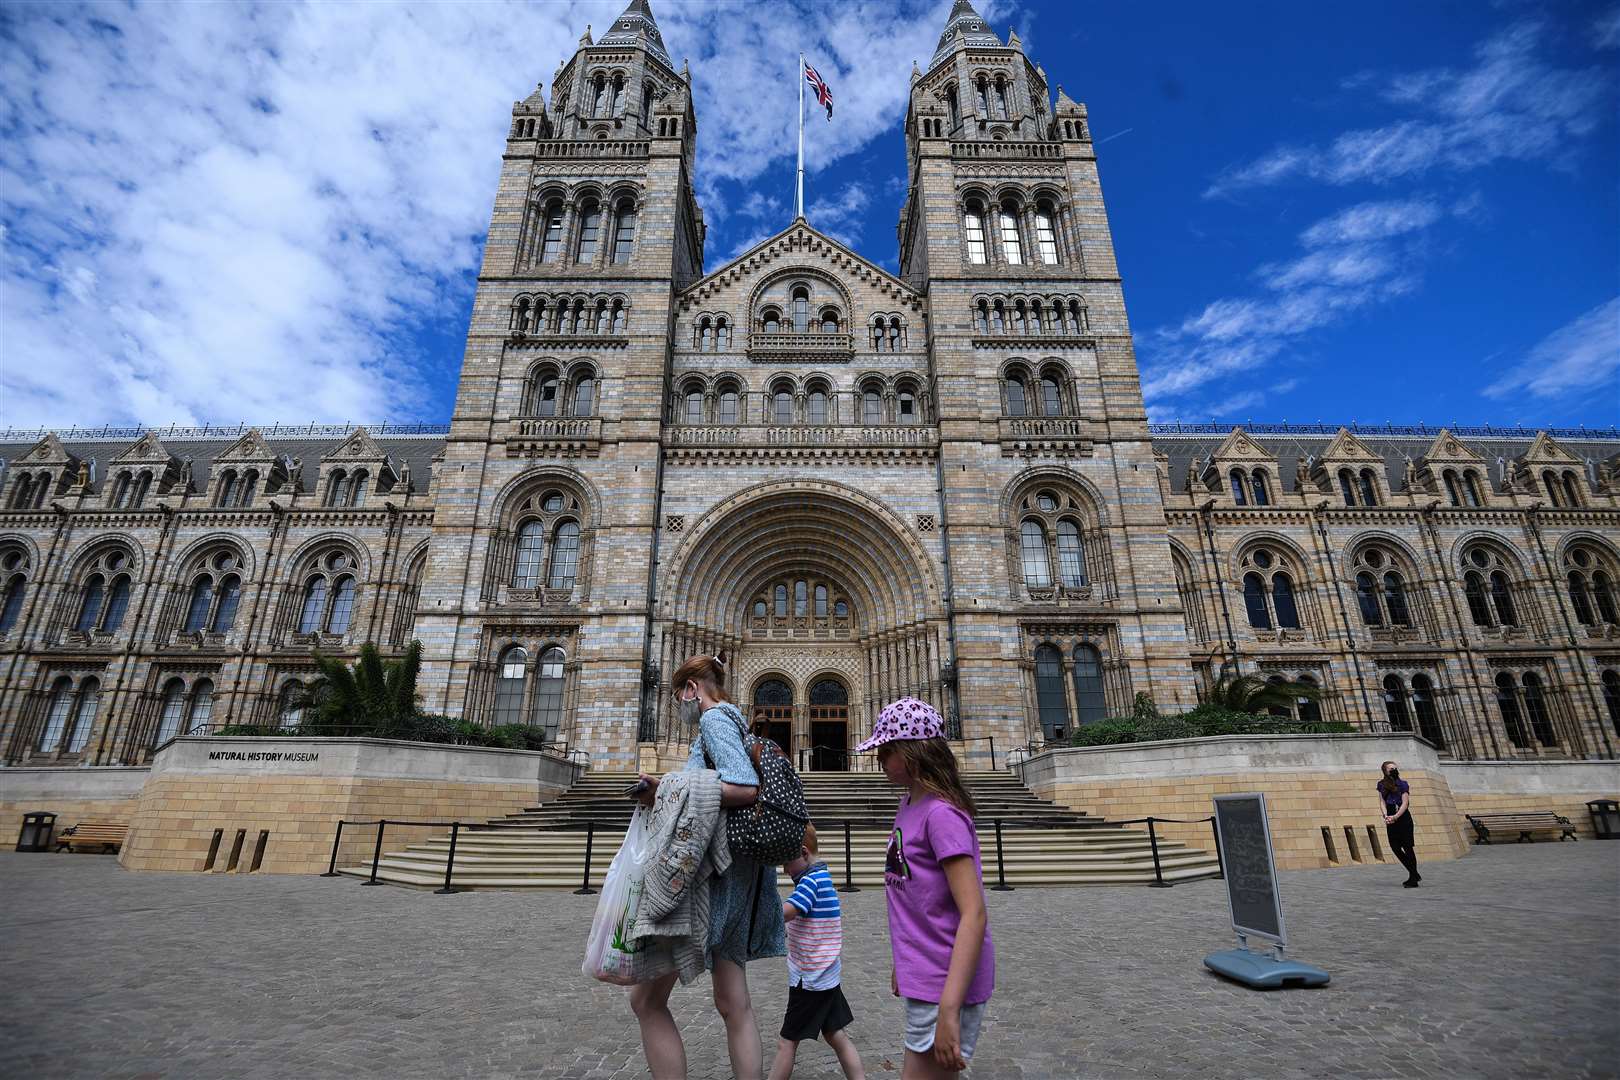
973,27
636,27
309,442
1497,448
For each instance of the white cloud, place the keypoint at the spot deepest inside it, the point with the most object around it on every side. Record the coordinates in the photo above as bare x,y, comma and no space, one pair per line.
238,211
1606,29
1581,357
1373,221
840,216
1511,104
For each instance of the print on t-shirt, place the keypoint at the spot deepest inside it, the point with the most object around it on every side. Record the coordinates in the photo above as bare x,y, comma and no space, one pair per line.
895,870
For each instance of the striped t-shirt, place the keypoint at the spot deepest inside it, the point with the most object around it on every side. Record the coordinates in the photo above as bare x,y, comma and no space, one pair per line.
815,940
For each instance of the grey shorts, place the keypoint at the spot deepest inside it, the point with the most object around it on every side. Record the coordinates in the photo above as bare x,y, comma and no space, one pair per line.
921,1016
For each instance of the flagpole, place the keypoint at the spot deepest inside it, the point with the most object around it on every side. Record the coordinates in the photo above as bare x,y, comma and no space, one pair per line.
800,199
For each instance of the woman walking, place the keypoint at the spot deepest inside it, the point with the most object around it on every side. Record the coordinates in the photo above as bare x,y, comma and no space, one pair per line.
1396,796
745,916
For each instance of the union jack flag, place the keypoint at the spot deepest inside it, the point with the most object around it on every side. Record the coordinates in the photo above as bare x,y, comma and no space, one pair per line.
823,91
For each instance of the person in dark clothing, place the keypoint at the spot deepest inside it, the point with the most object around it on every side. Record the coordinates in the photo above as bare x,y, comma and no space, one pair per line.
1395,795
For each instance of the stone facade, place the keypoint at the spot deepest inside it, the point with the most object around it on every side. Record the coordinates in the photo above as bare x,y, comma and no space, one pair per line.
857,484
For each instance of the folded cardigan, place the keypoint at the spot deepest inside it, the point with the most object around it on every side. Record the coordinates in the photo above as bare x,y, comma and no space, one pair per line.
690,851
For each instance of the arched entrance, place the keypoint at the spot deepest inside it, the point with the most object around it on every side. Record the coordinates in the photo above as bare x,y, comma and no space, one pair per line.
829,725
772,712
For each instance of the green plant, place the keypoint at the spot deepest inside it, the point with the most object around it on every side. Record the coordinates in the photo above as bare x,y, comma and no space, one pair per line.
1254,694
373,697
1120,729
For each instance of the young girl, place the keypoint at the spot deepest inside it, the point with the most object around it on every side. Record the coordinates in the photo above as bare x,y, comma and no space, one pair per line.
939,935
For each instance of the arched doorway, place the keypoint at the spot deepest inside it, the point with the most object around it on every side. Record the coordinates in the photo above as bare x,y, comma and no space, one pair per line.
829,725
772,715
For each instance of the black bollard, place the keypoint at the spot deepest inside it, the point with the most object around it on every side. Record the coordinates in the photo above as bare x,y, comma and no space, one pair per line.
1001,865
331,867
585,886
849,871
1158,881
376,854
450,863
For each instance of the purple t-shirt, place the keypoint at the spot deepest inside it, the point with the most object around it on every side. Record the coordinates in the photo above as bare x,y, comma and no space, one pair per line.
1392,799
923,916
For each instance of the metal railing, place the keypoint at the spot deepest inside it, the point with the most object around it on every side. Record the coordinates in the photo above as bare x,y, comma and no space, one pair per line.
111,432
1462,431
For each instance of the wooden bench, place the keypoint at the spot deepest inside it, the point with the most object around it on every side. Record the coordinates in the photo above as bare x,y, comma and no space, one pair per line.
102,834
1523,824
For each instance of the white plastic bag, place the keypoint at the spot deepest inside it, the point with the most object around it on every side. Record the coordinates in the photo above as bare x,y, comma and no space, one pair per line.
608,956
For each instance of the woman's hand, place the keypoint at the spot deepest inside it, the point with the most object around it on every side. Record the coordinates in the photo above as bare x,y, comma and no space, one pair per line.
649,792
1388,820
948,1040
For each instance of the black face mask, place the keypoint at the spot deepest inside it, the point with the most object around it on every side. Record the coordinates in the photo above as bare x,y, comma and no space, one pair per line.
1394,774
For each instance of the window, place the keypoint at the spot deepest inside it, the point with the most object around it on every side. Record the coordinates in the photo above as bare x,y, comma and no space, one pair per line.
801,311
705,336
1282,598
1262,494
545,395
509,686
309,618
1611,697
56,718
771,321
1037,566
907,404
1471,488
117,604
728,405
871,406
997,318
1011,245
782,405
564,555
781,601
1400,719
551,226
337,491
1017,404
1051,396
621,318
801,599
1309,709
1428,719
1572,491
202,705
173,711
90,605
1395,599
202,599
1071,556
84,714
1535,707
1018,317
1347,486
1603,593
1001,99
531,542
692,406
1453,490
624,232
342,606
896,335
1507,703
1367,599
973,227
1254,600
817,406
984,96
821,601
357,490
1502,598
11,607
954,107
1579,599
1474,590
1549,480
590,228
1088,685
548,698
1369,488
584,396
600,105
1239,491
601,317
227,489
1045,235
1050,699
829,321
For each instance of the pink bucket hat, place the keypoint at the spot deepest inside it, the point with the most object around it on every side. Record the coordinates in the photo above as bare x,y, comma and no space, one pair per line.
907,718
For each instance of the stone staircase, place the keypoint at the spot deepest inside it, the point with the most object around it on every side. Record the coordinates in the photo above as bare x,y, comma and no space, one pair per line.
543,847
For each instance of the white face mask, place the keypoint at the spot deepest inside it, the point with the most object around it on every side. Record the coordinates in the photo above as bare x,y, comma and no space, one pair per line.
688,712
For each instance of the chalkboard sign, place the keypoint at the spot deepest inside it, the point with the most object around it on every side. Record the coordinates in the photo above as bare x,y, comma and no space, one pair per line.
1251,879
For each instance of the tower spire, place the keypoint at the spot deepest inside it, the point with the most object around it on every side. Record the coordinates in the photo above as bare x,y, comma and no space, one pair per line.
973,29
636,28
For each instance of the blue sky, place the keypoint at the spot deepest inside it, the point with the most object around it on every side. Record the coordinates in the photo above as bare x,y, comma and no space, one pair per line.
1397,212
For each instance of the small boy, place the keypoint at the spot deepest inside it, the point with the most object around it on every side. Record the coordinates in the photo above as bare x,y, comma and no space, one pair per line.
815,944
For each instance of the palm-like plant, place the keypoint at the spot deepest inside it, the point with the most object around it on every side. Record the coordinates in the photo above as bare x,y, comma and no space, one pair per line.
1254,694
374,696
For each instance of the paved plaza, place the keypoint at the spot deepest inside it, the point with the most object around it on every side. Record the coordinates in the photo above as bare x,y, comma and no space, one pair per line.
1505,964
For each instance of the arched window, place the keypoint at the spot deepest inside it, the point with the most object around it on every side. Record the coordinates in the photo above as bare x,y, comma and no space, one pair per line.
584,396
973,228
1579,598
782,404
840,609
172,712
896,335
42,489
801,599
357,490
1036,561
342,606
1088,685
202,599
509,676
1347,486
871,406
1507,703
1011,244
337,491
1037,316
1400,719
90,605
1051,396
1603,593
801,311
1239,491
728,404
1471,488
1611,697
829,321
1050,699
1071,556
56,718
11,607
781,601
22,493
309,617
545,394
548,696
1453,490
564,555
624,232
202,705
692,405
142,489
1045,235
616,95
120,499
1254,601
1428,719
551,228
1369,488
601,317
1310,710
998,323
1474,590
1001,98
1502,598
250,484
1535,707
705,335
1367,598
117,604
599,106
531,542
816,405
227,489
1018,317
771,321
1262,494
290,705
1395,599
1017,402
1549,480
1282,599
1572,490
84,714
722,334
621,320
983,87
954,107
906,402
590,230
230,596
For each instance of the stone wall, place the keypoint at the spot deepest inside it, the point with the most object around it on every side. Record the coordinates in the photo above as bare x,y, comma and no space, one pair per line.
1564,787
200,784
73,795
1311,782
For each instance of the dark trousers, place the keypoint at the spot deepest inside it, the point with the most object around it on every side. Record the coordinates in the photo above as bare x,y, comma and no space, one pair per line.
1399,832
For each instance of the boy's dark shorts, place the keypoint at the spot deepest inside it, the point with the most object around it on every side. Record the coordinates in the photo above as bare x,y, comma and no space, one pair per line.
813,1013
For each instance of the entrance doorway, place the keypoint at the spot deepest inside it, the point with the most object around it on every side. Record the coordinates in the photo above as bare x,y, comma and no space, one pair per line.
829,726
772,715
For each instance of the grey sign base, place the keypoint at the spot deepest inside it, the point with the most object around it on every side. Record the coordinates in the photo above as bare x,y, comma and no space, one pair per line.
1264,972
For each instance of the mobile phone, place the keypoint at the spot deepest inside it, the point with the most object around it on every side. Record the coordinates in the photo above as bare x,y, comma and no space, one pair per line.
635,790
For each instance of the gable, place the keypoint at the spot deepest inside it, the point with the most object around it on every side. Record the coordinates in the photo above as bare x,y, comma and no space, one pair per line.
47,451
359,446
1238,446
1546,449
1346,447
1447,447
863,286
148,448
250,447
